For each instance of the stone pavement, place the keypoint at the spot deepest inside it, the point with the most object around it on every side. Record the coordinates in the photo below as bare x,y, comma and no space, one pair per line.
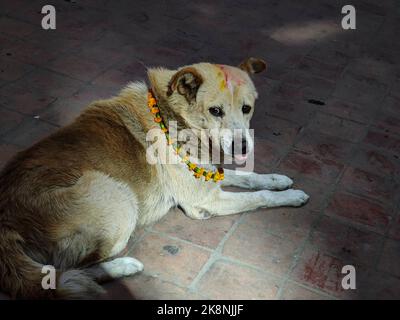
328,116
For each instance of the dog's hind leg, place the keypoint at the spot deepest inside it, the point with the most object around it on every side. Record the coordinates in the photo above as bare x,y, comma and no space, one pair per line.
101,217
114,269
250,180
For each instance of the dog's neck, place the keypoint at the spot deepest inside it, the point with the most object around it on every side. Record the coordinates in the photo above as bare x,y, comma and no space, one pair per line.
169,114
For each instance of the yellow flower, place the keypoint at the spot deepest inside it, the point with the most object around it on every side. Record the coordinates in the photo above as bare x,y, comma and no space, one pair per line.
152,102
217,176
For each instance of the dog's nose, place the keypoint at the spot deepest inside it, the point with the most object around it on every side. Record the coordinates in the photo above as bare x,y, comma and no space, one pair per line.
238,150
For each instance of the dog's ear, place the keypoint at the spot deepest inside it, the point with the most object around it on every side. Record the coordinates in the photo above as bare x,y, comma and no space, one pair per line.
186,81
253,65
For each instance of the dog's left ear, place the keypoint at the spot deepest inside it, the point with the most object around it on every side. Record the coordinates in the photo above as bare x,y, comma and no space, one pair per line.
187,82
253,65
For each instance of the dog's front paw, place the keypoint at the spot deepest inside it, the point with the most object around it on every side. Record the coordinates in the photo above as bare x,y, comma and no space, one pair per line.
294,198
274,182
291,198
281,182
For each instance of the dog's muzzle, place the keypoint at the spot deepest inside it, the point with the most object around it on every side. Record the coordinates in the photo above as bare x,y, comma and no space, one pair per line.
239,150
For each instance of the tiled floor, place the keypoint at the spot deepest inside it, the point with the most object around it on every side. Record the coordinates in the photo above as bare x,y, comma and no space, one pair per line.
344,150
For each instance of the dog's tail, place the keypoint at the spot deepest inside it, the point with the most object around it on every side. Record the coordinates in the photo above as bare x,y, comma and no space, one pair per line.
22,277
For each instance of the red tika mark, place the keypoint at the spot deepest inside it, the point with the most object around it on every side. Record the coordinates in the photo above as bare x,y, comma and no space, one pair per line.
230,76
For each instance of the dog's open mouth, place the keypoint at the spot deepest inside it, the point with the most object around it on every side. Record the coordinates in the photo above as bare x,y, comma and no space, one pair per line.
240,151
240,158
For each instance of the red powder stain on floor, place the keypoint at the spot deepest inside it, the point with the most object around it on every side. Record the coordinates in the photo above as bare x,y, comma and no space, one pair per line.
327,149
377,159
322,271
360,210
312,271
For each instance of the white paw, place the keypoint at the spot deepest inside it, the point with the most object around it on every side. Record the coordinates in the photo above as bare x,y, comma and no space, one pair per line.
281,182
122,267
293,197
274,182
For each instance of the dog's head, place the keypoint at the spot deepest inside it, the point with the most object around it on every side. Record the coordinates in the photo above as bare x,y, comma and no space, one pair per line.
213,96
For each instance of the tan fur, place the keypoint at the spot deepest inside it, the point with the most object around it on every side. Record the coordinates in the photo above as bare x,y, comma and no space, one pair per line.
253,65
73,199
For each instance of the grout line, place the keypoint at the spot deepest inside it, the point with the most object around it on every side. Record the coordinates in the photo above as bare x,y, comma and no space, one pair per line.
175,283
351,224
20,78
315,290
297,255
216,254
250,266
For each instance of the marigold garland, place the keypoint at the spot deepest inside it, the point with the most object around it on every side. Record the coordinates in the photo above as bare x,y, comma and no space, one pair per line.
197,171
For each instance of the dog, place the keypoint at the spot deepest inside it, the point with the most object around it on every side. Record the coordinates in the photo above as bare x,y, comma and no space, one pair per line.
73,199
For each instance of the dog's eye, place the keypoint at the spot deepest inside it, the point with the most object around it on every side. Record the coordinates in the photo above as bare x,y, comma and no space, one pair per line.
246,109
216,111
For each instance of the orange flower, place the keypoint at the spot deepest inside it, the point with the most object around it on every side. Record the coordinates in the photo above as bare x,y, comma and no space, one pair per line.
208,176
155,110
152,102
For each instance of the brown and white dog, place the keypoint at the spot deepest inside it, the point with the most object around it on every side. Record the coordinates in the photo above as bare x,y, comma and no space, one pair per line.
73,199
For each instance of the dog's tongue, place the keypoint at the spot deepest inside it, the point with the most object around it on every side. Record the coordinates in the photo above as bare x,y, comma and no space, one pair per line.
240,158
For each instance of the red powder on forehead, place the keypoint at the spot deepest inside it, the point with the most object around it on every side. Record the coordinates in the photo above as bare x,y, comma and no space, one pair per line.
231,75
